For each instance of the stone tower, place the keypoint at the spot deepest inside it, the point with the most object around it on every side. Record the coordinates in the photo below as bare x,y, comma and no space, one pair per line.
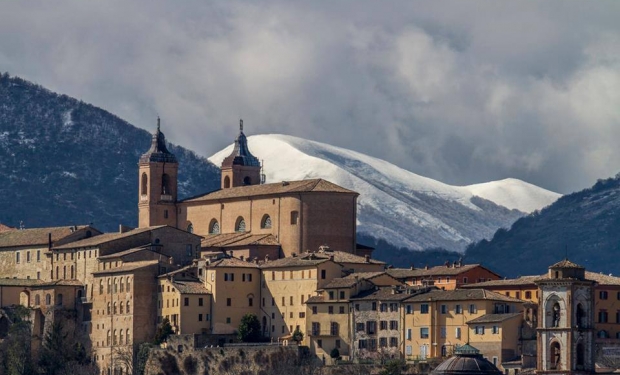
158,170
566,321
240,168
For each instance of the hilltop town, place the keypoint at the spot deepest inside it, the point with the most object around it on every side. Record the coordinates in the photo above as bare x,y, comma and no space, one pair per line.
285,256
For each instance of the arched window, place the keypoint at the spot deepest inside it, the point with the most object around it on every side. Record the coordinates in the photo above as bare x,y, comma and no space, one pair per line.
120,337
122,285
115,311
109,308
240,225
72,274
48,299
226,182
128,337
37,300
247,180
115,285
265,223
115,341
128,285
145,184
100,286
128,312
602,334
190,228
556,358
214,227
165,185
109,337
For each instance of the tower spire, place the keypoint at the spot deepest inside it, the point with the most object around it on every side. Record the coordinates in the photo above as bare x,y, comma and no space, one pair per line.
158,123
241,125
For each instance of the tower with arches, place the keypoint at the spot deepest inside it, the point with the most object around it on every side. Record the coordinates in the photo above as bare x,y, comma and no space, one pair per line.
158,170
566,321
240,168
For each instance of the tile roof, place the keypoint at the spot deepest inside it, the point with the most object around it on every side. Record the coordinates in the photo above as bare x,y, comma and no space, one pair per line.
293,262
401,273
106,237
284,187
176,272
382,294
566,264
19,282
126,267
4,228
35,236
60,283
121,254
493,318
351,280
238,239
190,287
462,295
232,262
339,257
600,278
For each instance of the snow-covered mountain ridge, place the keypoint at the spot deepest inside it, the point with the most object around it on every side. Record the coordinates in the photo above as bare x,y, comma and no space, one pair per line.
397,205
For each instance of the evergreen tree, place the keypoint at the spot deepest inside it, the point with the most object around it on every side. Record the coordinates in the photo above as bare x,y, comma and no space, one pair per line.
249,329
163,331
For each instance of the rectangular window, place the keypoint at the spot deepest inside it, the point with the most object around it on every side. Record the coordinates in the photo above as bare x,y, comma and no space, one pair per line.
528,295
314,310
250,302
374,306
479,330
383,325
319,343
294,217
228,320
424,308
341,294
228,302
409,309
323,274
283,301
341,310
200,301
602,316
302,314
338,344
273,302
186,301
243,277
249,277
371,327
444,309
165,214
200,317
330,309
383,307
617,312
357,307
331,294
383,342
518,295
359,327
408,334
495,330
424,332
27,256
362,344
443,332
602,294
465,280
473,309
38,255
17,257
291,300
458,309
457,333
393,324
393,342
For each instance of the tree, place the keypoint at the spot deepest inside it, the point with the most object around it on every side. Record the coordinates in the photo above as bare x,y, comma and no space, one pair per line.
335,353
15,348
298,336
163,331
393,367
249,329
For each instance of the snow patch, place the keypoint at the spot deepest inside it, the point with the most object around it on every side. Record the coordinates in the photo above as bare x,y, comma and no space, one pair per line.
67,120
69,174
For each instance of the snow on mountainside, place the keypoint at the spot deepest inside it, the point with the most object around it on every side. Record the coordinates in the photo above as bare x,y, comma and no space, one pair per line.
514,194
399,206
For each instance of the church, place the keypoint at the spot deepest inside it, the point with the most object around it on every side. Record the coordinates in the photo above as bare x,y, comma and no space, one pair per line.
246,216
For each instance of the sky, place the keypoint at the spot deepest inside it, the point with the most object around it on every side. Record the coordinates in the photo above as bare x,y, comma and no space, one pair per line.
459,91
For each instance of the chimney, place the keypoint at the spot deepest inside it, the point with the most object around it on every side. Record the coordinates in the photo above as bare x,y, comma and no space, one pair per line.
426,267
267,258
123,228
412,267
367,258
331,257
170,260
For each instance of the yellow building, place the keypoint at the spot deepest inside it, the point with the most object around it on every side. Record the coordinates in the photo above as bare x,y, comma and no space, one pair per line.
328,314
436,321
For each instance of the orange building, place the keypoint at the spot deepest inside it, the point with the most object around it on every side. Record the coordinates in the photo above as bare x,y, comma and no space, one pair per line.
447,277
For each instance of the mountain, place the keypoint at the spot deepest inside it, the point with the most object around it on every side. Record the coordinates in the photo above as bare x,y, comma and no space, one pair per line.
401,207
582,226
64,162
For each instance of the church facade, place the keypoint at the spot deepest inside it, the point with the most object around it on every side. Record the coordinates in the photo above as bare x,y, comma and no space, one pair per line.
294,216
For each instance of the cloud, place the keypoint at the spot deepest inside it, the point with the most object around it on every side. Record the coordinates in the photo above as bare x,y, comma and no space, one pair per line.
459,91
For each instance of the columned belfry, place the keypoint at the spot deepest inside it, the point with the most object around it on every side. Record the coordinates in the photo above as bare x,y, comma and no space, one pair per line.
158,170
566,321
240,168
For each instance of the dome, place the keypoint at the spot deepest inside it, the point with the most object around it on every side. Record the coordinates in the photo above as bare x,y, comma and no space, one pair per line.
467,360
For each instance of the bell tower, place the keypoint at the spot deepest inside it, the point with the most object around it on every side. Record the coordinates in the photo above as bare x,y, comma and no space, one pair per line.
566,321
157,184
240,168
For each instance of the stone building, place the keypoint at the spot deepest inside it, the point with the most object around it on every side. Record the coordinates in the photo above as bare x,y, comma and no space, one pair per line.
450,276
299,215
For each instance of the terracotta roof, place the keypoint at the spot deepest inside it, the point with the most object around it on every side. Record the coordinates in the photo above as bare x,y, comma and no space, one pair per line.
4,228
293,262
351,280
175,272
601,279
339,257
521,281
317,299
126,267
566,264
190,287
19,282
402,273
462,295
35,236
232,262
238,239
284,187
121,254
493,318
106,237
381,294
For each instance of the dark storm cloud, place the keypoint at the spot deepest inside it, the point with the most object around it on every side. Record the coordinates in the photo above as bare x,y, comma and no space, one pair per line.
459,91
